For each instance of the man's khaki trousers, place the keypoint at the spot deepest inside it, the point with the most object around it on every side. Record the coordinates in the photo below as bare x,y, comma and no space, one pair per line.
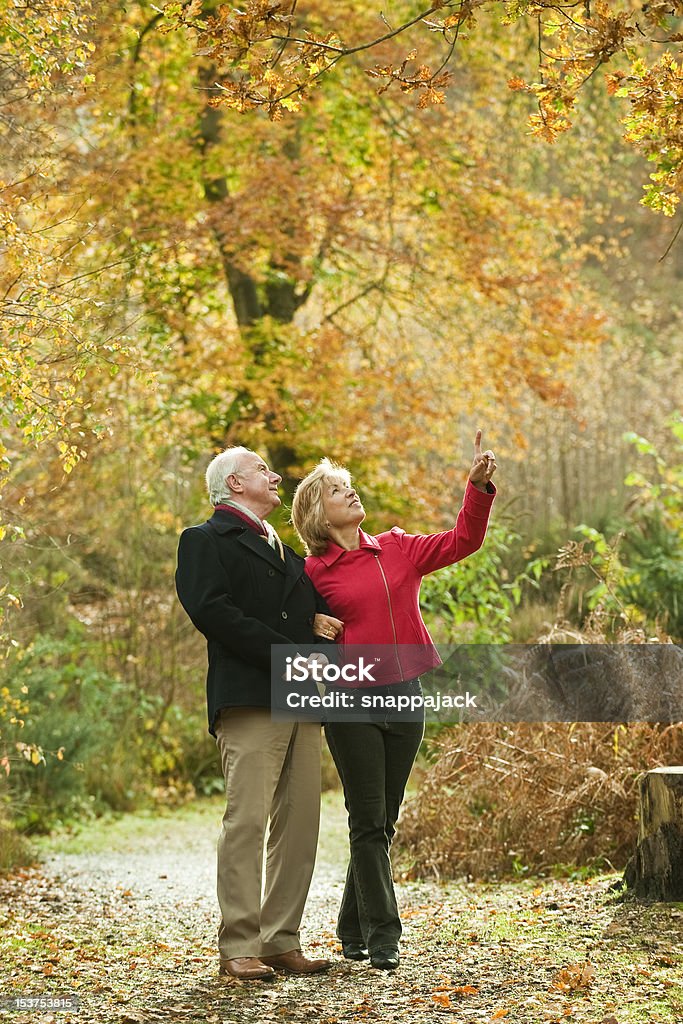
272,778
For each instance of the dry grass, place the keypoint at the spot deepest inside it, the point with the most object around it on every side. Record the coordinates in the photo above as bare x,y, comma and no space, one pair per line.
500,799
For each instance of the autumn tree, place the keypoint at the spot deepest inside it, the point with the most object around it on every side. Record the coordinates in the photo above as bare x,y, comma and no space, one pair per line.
273,55
339,239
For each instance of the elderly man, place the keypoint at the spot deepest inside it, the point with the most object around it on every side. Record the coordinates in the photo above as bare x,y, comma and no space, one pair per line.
245,590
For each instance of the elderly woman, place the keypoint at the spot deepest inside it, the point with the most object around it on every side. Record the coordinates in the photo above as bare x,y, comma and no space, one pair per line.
372,585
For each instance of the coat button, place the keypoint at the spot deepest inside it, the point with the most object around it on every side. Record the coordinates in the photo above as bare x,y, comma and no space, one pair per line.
271,572
284,615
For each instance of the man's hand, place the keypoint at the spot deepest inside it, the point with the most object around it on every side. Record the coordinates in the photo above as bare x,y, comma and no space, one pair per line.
326,626
483,465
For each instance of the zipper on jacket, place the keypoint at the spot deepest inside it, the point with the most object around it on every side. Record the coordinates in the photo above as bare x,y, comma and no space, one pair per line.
391,614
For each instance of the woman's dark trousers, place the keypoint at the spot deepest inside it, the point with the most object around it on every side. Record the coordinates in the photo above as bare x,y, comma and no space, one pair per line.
374,761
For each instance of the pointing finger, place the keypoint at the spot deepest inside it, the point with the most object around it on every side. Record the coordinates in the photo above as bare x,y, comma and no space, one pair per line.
477,443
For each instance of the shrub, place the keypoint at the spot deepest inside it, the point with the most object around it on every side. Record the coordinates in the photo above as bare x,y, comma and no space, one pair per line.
633,579
500,799
473,601
102,742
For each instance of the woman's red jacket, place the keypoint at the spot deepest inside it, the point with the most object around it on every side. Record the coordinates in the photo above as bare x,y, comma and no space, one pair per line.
375,588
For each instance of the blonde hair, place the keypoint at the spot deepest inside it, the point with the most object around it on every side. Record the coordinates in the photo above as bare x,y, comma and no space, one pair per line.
308,514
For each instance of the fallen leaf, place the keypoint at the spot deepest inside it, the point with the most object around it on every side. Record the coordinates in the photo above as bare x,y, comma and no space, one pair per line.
441,999
573,977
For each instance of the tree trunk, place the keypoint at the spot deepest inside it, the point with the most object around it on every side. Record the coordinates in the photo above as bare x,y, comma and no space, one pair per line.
655,871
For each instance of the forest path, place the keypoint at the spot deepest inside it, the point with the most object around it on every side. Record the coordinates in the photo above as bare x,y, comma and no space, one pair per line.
122,917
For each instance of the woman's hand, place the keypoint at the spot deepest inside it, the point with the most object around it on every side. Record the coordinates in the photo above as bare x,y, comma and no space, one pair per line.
483,465
326,626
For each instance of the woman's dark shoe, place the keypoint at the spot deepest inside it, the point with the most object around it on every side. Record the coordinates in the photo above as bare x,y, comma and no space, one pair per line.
385,958
354,951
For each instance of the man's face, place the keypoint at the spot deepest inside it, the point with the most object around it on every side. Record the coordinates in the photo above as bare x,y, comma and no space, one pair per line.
254,485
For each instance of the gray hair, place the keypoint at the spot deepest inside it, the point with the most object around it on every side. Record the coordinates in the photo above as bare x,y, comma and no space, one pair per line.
222,466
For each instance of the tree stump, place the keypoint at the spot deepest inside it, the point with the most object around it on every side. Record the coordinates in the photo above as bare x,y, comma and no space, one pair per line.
655,871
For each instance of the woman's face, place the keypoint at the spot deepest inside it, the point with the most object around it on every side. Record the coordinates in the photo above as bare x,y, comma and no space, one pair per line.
341,504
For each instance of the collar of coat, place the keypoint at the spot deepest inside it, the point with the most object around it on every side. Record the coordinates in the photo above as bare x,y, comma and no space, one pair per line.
228,522
223,521
334,551
246,516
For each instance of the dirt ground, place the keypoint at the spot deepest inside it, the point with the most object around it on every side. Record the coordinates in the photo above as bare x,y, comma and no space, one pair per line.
117,924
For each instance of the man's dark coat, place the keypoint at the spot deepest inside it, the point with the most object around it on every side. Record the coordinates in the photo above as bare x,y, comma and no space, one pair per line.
243,598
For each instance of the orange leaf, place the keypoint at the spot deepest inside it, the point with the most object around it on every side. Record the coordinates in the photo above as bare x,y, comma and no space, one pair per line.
576,976
442,1000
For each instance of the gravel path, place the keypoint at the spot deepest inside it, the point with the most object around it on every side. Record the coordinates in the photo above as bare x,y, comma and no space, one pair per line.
166,882
123,917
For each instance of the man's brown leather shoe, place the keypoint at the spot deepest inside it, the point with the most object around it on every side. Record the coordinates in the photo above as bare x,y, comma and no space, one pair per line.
295,962
246,968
